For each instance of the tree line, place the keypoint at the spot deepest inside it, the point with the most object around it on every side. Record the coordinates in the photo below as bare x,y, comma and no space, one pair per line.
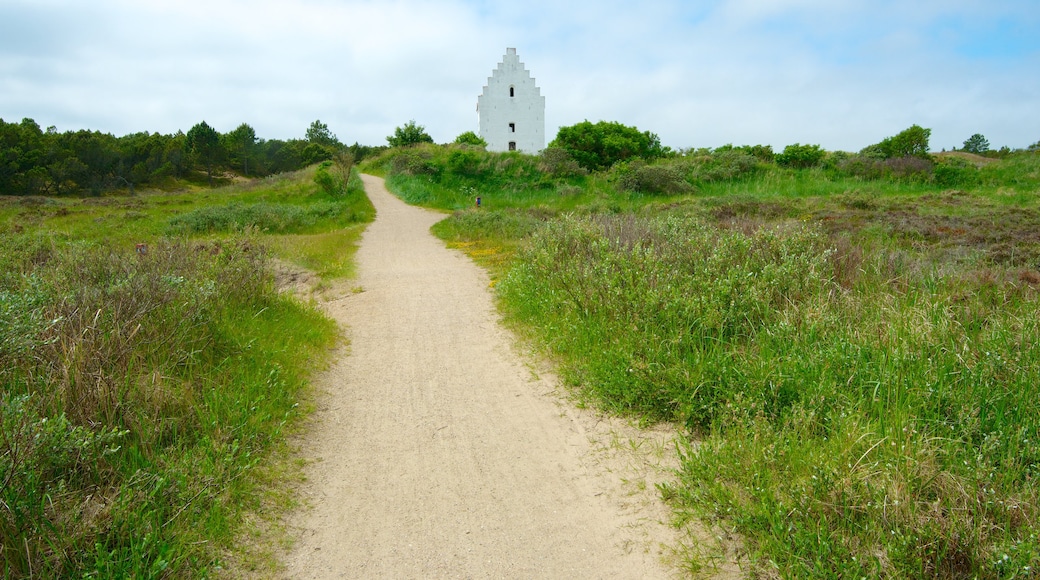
34,161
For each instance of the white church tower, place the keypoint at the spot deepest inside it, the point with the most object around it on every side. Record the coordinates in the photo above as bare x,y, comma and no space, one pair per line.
512,108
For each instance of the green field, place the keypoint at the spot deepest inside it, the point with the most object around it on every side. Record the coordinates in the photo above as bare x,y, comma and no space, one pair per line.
150,371
852,348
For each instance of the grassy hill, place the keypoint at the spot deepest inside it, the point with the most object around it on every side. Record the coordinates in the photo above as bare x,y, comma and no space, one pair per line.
853,348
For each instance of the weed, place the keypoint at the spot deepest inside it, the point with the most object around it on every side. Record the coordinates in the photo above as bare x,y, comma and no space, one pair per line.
139,389
853,347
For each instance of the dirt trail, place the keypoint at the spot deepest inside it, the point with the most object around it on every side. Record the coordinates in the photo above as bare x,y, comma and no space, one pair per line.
439,454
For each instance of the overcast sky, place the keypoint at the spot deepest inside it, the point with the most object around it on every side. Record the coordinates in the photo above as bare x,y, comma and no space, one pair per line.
699,73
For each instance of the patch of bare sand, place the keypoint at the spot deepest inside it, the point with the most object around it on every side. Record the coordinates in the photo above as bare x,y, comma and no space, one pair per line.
437,453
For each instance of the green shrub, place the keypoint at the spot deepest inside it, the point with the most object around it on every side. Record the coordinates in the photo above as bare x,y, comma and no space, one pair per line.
413,161
601,145
557,162
955,172
909,169
470,138
725,166
801,156
465,162
44,462
654,179
863,166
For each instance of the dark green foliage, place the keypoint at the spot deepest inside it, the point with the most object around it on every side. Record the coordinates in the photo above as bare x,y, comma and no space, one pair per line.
955,172
409,134
976,144
761,152
465,162
470,138
601,145
360,152
318,133
911,142
241,146
202,144
800,156
34,162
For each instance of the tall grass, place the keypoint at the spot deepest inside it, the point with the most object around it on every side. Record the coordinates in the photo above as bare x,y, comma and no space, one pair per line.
874,421
139,391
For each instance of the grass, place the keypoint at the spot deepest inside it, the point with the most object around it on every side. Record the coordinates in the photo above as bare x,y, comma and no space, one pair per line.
143,393
855,361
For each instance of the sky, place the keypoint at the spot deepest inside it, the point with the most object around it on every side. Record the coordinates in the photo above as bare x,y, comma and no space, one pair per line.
842,74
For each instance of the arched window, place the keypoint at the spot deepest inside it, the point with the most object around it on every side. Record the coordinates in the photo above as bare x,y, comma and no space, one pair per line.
512,127
512,145
512,91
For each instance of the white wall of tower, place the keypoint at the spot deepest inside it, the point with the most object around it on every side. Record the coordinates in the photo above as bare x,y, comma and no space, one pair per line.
512,108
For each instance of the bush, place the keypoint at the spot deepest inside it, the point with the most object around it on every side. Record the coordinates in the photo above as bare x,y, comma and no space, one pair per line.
470,138
955,172
909,168
558,162
862,166
465,162
601,145
416,161
801,156
725,165
658,179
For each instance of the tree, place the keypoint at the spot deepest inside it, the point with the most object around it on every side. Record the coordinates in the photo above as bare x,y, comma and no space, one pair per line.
409,134
911,142
203,145
241,143
601,145
319,133
976,144
470,138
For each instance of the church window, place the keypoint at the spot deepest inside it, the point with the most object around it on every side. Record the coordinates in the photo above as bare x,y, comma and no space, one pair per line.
512,145
512,127
512,91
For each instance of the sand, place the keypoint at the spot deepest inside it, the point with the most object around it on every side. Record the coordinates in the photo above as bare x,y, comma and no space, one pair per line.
441,451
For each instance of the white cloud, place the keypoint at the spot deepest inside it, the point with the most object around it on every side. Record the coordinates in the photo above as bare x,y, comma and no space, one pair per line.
842,74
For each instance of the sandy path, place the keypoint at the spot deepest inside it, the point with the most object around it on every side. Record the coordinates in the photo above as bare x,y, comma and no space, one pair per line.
438,453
